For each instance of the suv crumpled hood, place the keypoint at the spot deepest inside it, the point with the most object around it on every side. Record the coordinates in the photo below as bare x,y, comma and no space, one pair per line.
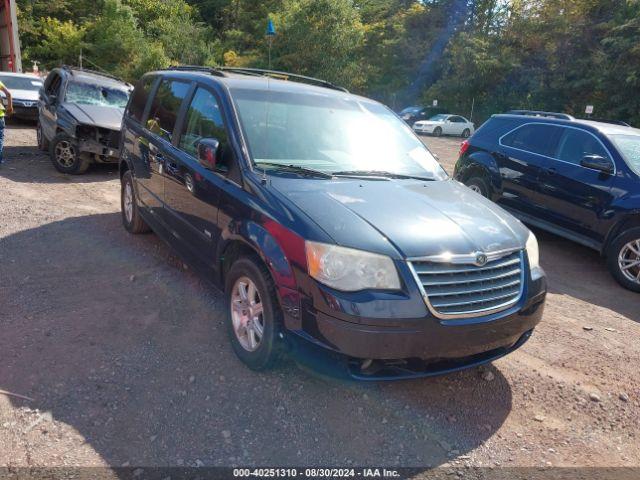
98,115
418,218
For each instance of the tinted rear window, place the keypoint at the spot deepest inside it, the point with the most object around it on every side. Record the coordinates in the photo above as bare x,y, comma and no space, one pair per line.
139,98
532,138
165,106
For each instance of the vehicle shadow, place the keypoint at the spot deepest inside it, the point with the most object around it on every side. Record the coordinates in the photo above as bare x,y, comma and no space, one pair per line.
128,351
28,164
582,273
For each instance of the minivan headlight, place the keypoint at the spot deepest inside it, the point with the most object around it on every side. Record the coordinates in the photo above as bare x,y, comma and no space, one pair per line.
532,251
350,270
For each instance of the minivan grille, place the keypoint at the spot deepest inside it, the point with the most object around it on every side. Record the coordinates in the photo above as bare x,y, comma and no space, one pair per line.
463,290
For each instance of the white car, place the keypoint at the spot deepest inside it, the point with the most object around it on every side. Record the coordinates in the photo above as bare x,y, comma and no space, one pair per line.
445,124
24,90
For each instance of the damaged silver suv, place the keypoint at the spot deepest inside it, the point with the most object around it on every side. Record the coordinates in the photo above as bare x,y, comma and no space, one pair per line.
79,118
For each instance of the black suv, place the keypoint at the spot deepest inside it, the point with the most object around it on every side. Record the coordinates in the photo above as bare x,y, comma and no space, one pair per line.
414,114
79,118
577,178
274,190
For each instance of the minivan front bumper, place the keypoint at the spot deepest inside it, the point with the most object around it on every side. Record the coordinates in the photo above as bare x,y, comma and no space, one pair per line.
435,345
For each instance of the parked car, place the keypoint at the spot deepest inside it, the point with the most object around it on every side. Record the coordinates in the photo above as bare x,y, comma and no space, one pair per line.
444,124
413,114
579,179
80,116
24,91
274,190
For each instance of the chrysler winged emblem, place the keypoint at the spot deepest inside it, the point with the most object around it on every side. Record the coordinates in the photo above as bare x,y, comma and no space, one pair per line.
481,259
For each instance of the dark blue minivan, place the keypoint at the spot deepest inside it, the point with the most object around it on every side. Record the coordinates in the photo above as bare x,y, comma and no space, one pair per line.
576,178
327,223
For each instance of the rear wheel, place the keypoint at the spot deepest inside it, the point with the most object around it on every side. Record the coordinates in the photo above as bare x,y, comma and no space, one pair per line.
254,318
437,131
478,185
43,144
65,157
623,259
466,133
131,218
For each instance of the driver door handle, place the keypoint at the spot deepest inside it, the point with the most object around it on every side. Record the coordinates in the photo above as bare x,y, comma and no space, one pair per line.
551,171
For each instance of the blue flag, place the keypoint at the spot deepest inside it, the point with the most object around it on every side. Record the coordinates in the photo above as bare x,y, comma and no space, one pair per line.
271,30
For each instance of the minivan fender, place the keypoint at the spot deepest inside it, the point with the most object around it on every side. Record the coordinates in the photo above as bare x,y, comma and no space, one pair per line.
280,250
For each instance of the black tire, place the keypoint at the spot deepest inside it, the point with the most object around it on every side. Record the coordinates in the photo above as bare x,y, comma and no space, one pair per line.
620,246
437,132
64,156
479,185
466,133
131,219
43,143
269,350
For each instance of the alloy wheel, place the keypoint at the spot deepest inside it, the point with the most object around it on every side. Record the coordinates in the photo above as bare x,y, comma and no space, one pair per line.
629,260
247,314
476,189
65,153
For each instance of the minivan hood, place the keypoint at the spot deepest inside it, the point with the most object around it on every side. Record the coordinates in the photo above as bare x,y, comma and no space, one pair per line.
418,218
98,115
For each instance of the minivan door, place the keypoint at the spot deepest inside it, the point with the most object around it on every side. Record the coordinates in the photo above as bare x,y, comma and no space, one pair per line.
192,188
576,196
522,155
156,145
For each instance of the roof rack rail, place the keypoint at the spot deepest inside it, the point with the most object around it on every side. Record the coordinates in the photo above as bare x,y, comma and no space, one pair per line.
606,120
197,68
71,69
284,76
539,113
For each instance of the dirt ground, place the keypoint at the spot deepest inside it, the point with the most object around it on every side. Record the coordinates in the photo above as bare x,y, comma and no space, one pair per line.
121,357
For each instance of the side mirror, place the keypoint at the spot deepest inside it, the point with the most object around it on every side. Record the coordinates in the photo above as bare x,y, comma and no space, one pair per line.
597,162
208,152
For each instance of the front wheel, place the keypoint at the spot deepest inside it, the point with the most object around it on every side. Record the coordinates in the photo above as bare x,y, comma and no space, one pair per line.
65,157
254,316
623,259
437,132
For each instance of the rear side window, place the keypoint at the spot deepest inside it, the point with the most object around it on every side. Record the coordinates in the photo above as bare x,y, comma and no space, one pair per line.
165,107
139,98
575,144
532,138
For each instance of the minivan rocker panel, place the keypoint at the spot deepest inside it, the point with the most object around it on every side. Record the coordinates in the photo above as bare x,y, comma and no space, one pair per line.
453,286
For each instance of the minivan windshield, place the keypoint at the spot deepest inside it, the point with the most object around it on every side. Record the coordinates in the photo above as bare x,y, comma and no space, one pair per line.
330,134
94,94
21,83
629,147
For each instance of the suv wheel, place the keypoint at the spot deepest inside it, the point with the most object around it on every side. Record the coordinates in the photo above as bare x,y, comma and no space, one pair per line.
623,259
42,141
466,133
131,218
64,156
437,132
254,318
478,185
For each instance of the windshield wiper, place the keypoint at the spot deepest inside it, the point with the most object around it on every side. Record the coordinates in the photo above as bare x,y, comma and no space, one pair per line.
378,173
297,168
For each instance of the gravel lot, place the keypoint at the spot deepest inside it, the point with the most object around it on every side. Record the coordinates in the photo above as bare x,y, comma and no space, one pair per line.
122,354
